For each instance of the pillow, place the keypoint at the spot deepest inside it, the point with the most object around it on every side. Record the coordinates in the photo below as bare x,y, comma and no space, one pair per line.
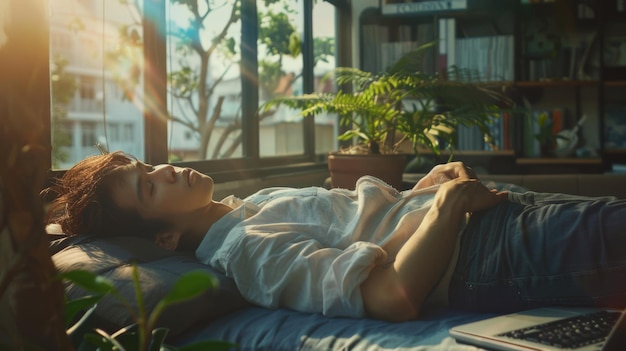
158,270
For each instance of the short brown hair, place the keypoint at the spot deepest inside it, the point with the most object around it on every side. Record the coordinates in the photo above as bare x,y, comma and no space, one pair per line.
83,204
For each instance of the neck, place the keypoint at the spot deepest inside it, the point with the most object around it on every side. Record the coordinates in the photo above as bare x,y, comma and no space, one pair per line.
192,237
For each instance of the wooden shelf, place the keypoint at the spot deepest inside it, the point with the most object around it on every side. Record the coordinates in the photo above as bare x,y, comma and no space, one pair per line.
574,97
615,151
558,161
554,165
556,83
615,83
615,155
489,153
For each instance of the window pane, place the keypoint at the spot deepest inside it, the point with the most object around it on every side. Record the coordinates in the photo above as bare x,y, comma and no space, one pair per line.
280,73
204,84
95,74
324,33
280,70
97,88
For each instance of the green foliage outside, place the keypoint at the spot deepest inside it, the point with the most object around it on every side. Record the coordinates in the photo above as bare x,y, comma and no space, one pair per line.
190,81
63,86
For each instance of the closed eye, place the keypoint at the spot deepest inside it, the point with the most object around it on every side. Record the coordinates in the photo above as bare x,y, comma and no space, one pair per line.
149,169
144,185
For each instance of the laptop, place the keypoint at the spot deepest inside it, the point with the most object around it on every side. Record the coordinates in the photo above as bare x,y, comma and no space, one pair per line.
550,329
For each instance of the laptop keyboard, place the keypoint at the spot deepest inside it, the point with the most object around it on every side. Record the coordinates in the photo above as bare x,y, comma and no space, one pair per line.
570,332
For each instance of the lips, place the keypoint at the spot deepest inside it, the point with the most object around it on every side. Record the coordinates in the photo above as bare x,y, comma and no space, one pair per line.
187,174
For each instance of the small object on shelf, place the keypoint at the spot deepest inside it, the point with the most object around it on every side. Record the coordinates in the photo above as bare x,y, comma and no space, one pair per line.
618,168
586,152
567,139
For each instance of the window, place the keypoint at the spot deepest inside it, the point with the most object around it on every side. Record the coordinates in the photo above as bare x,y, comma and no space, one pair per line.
87,88
207,109
113,130
92,60
128,133
204,80
324,31
281,73
88,134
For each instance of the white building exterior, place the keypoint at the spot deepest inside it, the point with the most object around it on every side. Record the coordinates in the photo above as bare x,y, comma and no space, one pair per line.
83,31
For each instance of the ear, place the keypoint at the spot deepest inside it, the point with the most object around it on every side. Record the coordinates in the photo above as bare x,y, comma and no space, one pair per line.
168,240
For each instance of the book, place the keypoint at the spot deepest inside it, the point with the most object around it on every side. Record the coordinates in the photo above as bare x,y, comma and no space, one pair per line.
496,130
447,44
557,120
615,126
469,138
488,58
373,38
507,142
442,46
426,34
535,120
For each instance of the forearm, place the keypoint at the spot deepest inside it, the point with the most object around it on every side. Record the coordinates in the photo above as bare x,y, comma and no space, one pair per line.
423,260
397,292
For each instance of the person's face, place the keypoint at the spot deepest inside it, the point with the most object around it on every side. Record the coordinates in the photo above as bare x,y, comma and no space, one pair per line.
163,192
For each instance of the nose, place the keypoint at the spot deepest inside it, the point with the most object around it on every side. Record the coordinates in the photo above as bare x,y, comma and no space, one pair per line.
167,172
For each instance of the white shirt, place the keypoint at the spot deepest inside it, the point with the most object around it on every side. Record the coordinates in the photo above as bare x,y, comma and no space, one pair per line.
310,249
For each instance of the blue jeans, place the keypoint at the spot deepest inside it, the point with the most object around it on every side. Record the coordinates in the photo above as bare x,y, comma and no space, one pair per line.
542,249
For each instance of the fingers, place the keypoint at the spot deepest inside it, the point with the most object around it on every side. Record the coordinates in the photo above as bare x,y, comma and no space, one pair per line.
484,198
471,195
443,173
466,171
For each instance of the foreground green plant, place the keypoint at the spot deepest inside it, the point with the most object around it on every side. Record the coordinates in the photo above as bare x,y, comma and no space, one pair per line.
144,334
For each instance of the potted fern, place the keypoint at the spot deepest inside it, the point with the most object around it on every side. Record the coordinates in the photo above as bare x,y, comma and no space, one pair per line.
385,112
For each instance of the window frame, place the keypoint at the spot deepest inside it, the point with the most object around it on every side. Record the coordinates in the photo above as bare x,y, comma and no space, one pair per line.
251,165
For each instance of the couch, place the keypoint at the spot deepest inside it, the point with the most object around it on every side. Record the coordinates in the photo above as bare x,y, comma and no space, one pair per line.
222,314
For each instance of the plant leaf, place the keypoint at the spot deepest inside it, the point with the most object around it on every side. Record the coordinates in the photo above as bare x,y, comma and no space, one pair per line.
190,285
89,281
111,340
72,307
158,339
100,341
77,332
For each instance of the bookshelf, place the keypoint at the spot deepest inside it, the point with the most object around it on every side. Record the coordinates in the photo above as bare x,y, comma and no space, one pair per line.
562,60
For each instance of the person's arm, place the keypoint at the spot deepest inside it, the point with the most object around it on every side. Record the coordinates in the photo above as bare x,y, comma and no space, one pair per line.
397,292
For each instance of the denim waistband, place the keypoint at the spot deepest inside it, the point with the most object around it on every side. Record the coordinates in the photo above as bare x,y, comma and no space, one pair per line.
542,249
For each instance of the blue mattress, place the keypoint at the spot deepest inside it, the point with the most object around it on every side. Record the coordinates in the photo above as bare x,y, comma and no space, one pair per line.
223,315
256,328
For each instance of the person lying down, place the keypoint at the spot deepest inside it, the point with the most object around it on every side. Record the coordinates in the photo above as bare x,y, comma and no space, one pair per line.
373,252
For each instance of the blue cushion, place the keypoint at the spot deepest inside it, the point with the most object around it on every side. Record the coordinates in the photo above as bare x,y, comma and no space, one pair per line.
158,270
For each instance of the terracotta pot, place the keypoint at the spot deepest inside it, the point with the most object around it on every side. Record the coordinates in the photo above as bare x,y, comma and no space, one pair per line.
345,169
